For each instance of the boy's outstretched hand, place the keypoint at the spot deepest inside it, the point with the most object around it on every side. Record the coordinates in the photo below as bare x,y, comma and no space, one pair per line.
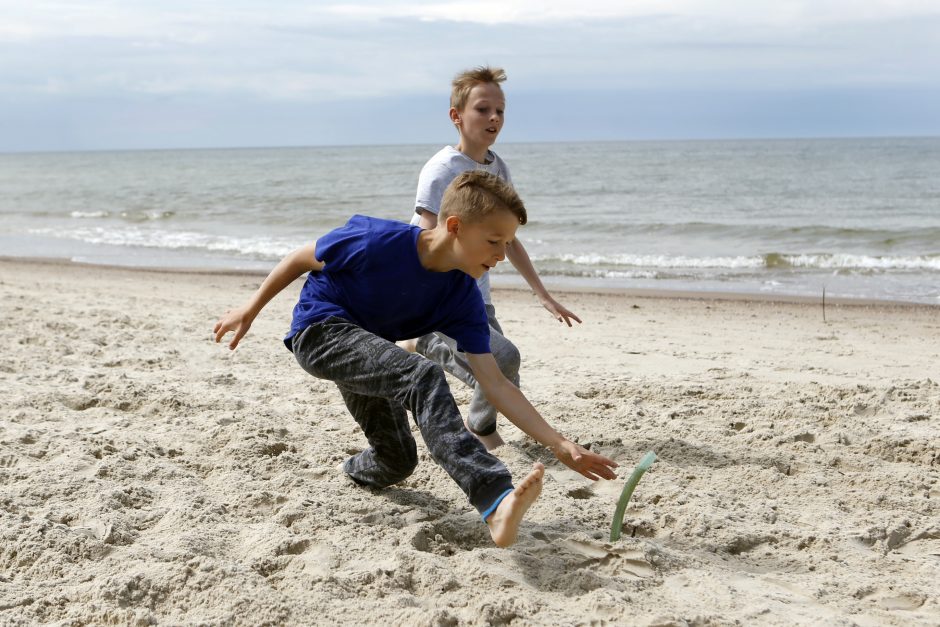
591,465
559,311
238,320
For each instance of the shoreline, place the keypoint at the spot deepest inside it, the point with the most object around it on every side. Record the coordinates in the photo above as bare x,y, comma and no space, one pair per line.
645,293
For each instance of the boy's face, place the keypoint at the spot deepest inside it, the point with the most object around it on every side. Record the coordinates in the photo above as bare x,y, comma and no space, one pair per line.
481,245
481,119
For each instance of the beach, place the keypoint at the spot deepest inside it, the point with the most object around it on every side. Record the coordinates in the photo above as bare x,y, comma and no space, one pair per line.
151,476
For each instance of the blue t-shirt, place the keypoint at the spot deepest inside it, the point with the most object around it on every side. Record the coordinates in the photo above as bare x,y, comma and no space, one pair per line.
373,277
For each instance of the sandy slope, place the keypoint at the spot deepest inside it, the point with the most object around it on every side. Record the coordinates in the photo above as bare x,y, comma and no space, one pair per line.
150,476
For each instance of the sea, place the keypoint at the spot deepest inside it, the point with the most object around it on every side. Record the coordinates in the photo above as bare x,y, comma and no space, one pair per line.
856,218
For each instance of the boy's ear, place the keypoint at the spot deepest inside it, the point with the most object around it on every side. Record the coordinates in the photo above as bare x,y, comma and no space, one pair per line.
454,116
452,224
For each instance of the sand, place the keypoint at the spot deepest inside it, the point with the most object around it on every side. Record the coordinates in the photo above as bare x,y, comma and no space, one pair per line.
150,476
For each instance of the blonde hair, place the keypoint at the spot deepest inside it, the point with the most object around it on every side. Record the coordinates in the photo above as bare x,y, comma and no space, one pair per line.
475,194
468,79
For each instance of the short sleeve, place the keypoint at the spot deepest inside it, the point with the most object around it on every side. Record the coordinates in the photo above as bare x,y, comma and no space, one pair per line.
433,180
505,169
470,325
344,248
474,340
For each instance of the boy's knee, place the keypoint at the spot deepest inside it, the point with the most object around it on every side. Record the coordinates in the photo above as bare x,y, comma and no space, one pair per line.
383,472
401,472
508,358
399,466
430,375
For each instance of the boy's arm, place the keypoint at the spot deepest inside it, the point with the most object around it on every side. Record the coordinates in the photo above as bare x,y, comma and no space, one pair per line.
519,258
284,273
507,398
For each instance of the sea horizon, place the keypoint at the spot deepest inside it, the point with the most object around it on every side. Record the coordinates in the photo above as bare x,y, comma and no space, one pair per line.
664,140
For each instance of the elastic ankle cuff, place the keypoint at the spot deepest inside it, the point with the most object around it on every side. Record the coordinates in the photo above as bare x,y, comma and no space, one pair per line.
486,497
485,430
492,508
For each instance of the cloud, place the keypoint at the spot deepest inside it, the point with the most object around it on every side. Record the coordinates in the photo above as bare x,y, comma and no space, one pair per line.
554,11
311,53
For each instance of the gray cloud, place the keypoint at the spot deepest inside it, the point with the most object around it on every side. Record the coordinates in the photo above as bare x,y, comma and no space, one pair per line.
106,74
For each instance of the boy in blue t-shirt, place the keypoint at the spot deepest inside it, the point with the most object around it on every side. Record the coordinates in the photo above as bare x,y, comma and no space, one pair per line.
372,282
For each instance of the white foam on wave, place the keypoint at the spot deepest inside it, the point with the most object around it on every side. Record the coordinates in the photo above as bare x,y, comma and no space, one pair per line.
637,274
834,261
863,262
147,215
136,216
263,247
661,261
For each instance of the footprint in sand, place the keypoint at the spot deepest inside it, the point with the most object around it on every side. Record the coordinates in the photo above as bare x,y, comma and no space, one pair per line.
920,543
620,561
901,601
316,560
891,600
581,493
608,559
807,437
449,537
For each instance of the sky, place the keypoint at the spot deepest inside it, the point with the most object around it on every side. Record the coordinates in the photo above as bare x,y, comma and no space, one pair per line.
135,74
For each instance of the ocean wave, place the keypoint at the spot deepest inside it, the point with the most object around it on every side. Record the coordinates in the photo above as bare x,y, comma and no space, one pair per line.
598,273
132,216
658,261
144,216
256,247
807,234
771,261
844,261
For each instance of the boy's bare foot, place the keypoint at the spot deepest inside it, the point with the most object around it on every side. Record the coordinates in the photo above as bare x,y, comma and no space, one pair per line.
409,345
491,441
504,522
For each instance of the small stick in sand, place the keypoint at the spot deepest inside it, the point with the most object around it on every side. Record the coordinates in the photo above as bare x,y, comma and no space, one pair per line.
629,486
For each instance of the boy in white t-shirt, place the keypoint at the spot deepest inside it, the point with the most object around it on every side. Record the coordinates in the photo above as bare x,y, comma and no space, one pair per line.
477,107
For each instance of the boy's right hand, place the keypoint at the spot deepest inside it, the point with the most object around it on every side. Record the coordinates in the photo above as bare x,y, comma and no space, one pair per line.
238,320
588,463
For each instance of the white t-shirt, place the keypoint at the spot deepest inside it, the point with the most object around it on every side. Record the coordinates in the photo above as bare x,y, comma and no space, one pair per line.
437,174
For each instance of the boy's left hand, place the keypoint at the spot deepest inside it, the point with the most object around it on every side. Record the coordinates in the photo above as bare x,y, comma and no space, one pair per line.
237,320
559,311
578,458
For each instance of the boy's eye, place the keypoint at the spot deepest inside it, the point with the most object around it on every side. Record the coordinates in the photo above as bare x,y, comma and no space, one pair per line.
493,243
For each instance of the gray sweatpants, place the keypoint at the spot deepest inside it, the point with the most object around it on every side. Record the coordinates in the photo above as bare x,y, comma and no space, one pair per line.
442,350
379,381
